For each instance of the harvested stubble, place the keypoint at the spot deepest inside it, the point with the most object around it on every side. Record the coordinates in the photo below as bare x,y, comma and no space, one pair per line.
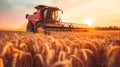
60,49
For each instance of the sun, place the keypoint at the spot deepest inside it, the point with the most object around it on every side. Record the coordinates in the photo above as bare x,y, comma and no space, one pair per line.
89,22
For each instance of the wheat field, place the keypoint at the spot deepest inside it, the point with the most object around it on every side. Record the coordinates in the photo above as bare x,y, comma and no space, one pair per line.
60,49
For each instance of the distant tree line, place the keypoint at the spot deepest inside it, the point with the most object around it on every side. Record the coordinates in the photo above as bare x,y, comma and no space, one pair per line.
108,28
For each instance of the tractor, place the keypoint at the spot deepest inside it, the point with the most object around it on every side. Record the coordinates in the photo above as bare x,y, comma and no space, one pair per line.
48,18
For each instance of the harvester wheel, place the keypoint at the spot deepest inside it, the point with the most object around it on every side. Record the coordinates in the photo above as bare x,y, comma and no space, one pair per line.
30,27
40,27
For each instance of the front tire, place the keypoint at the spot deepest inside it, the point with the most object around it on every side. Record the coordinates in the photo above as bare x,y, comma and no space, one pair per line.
39,25
30,27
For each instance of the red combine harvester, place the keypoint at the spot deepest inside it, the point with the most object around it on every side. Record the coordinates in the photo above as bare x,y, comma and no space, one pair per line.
48,19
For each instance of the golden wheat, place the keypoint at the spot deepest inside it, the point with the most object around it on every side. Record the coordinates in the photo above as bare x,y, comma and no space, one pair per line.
60,49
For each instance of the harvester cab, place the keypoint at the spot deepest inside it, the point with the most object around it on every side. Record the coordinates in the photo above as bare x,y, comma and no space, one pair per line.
45,16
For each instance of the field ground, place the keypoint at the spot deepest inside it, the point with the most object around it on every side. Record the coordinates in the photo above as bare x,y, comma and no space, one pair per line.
60,49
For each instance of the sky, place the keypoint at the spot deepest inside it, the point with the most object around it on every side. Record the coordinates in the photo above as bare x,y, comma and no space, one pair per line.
100,12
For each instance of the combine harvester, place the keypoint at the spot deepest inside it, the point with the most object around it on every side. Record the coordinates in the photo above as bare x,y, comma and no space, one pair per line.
48,18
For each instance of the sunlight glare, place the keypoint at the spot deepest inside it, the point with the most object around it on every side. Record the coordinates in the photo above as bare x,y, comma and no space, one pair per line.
88,22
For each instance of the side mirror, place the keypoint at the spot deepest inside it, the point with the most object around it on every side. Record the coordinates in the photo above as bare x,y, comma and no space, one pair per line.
61,11
34,13
26,16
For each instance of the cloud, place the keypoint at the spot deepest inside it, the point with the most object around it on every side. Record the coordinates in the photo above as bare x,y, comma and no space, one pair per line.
98,11
5,5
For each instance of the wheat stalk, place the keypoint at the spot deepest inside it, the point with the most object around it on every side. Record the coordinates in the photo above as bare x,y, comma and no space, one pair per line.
38,60
62,56
1,62
50,56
